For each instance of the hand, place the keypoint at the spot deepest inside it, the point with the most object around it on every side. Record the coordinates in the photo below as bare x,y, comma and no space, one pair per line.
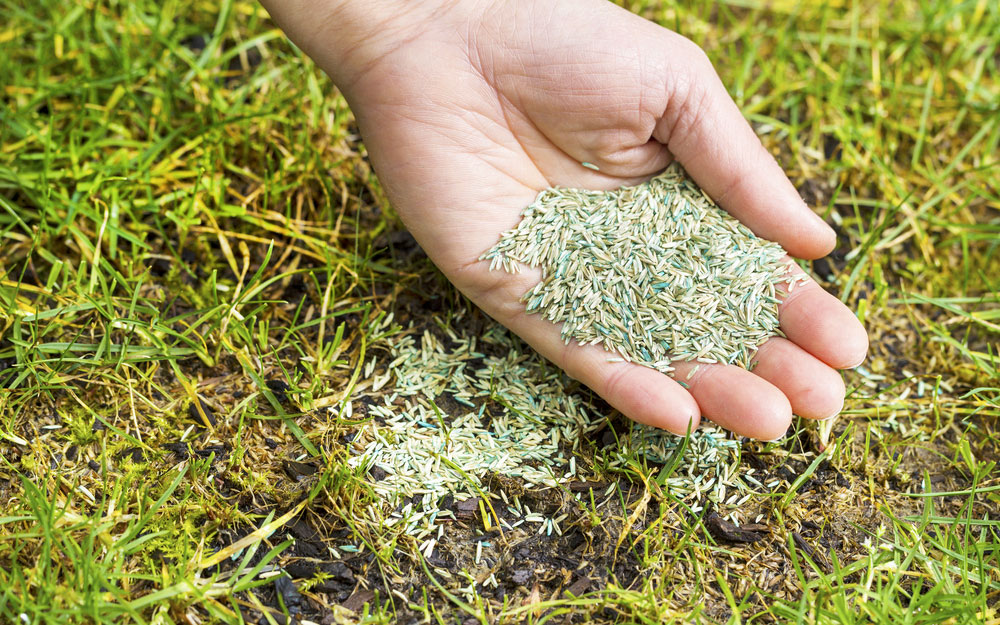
469,108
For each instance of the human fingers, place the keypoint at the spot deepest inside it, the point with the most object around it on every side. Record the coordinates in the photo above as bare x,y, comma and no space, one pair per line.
821,324
786,378
704,129
822,333
736,399
814,390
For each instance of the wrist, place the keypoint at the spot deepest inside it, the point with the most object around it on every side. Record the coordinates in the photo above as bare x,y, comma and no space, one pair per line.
348,38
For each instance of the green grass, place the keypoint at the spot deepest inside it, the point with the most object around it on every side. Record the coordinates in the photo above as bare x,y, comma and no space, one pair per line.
188,219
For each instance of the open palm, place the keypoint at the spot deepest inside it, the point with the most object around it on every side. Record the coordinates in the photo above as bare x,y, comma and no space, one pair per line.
470,109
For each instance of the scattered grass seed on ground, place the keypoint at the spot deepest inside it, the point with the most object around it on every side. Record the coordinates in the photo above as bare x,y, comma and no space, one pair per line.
513,416
656,272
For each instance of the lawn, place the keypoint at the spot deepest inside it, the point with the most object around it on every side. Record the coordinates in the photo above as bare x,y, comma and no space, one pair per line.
211,321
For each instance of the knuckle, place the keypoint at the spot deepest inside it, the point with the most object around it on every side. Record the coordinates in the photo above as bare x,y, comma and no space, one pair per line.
691,55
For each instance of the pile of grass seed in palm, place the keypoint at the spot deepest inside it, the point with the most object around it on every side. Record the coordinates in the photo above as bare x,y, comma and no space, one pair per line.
656,272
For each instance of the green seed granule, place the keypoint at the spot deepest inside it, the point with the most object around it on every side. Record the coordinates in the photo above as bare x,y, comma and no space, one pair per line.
656,272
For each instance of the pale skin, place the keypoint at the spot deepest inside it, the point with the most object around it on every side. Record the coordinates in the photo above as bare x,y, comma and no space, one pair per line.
469,108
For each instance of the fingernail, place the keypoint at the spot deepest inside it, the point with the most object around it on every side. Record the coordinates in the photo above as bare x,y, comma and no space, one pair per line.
858,363
831,415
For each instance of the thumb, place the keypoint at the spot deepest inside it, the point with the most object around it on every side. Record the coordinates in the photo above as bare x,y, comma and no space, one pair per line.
703,129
